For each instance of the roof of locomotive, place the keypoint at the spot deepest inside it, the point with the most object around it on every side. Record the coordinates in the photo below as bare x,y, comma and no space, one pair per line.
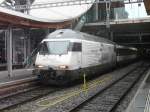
70,34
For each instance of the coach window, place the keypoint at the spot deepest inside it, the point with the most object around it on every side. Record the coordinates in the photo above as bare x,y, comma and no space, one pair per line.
76,46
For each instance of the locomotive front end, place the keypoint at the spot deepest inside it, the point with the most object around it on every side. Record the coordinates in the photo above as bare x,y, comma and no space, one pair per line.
55,61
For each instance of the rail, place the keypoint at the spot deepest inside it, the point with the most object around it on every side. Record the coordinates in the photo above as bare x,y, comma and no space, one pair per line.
17,82
17,86
109,103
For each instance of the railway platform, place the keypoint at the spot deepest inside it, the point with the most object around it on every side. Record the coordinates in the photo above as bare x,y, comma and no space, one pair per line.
141,100
18,74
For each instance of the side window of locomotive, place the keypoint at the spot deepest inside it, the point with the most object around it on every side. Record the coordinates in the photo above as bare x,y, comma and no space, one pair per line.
43,49
76,46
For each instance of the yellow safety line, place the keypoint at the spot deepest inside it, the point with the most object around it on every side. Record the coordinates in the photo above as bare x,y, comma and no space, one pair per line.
53,101
56,101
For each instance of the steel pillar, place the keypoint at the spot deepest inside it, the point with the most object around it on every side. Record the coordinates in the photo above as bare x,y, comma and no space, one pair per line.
108,4
13,50
28,46
140,37
24,48
27,43
5,44
9,51
111,36
28,4
96,11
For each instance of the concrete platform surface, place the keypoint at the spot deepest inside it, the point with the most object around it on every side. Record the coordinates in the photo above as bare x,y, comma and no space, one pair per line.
139,102
17,74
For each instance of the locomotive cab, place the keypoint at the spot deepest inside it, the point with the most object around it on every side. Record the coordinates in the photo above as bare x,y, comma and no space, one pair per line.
57,58
59,55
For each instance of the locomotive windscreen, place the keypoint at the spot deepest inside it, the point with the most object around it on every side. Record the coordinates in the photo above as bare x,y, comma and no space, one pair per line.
59,47
54,47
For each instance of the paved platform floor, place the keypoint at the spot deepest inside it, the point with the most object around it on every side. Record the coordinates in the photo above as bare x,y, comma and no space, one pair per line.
17,74
138,104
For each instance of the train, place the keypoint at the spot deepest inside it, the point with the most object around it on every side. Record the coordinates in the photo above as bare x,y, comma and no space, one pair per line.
65,55
126,54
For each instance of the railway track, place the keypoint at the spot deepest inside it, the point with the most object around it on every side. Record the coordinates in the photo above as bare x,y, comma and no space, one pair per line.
21,91
14,87
101,95
108,99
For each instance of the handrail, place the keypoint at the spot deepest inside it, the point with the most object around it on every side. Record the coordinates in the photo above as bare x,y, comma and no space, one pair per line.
80,23
30,59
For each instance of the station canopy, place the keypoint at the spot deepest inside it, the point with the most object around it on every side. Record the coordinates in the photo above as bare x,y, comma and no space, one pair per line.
1,1
61,13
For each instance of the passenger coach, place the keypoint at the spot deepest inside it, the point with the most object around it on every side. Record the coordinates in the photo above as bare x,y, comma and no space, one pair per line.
125,54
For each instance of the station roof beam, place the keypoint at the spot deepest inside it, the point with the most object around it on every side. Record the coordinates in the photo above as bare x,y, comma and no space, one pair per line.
18,19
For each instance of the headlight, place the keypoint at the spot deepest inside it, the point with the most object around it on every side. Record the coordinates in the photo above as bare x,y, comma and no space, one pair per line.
63,66
40,66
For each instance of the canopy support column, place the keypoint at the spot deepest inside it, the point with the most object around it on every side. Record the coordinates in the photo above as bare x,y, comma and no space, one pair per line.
111,36
9,51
